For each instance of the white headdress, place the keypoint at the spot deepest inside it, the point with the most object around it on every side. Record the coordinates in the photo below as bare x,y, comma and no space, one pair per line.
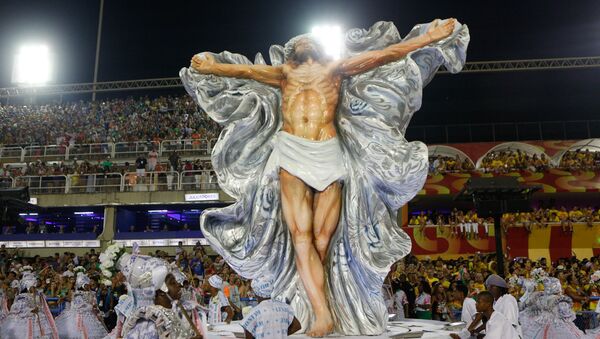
263,286
82,280
216,281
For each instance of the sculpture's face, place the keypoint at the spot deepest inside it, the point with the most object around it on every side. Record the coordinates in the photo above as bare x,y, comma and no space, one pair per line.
306,48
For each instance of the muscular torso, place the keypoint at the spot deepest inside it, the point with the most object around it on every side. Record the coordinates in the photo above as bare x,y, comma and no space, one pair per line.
310,94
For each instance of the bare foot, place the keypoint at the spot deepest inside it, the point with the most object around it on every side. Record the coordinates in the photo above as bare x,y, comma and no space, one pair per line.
322,326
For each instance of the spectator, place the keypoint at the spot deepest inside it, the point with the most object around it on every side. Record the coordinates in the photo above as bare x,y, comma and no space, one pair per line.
468,310
152,160
504,302
497,325
106,165
219,308
30,228
423,301
197,266
400,304
270,319
129,119
174,161
140,165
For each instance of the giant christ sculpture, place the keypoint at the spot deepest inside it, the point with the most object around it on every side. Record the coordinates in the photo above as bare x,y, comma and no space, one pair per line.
313,150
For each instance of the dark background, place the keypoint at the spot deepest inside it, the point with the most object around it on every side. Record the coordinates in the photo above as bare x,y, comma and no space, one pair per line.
146,39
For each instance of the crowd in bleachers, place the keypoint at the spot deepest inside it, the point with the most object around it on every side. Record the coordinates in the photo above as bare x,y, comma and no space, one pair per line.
146,172
50,226
178,118
501,162
43,168
57,277
580,160
509,160
414,288
468,224
429,288
447,164
118,120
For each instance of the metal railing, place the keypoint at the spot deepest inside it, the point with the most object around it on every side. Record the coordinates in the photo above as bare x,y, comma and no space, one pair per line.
139,181
201,180
13,153
7,182
94,183
46,152
186,147
430,134
120,150
134,148
46,184
175,82
151,181
90,151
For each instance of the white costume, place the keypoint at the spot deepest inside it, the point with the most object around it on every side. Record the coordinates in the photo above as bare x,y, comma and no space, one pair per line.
217,302
506,304
145,276
270,319
82,319
3,305
317,163
29,315
120,311
399,300
196,312
498,327
549,314
467,314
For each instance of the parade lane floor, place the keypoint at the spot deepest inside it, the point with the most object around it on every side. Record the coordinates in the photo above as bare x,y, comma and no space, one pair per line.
431,329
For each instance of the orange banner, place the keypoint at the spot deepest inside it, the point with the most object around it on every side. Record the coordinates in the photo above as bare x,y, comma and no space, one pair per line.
551,181
549,242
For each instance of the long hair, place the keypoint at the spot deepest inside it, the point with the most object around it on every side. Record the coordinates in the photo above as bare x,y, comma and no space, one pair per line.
295,58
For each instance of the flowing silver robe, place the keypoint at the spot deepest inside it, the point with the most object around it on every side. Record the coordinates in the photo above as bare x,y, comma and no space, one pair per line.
384,172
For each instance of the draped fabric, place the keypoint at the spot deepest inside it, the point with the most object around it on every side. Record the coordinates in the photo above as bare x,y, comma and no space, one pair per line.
384,172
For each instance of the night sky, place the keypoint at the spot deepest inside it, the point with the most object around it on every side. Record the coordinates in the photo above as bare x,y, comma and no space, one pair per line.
146,39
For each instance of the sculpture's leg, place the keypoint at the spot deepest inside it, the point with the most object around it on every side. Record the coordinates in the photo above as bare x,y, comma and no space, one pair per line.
327,205
297,205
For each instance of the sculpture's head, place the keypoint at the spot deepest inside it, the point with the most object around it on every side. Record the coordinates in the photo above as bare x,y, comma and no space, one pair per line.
305,48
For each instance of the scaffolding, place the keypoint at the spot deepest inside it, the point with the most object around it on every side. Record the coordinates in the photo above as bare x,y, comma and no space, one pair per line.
175,82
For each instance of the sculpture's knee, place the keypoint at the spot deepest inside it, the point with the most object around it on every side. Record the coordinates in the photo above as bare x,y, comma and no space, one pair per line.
301,237
321,242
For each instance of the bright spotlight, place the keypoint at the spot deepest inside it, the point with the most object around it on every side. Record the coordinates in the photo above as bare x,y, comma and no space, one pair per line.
330,36
32,65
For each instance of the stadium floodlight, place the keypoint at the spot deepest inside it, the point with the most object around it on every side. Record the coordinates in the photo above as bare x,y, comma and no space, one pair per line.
330,37
32,65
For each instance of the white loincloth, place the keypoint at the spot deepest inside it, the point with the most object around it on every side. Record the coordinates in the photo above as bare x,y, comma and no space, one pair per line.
317,163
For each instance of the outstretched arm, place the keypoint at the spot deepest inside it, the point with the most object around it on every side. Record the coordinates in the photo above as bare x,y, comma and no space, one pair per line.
369,60
206,64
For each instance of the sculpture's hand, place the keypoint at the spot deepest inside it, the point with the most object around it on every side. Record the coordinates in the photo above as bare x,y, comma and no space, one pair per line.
438,30
203,62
